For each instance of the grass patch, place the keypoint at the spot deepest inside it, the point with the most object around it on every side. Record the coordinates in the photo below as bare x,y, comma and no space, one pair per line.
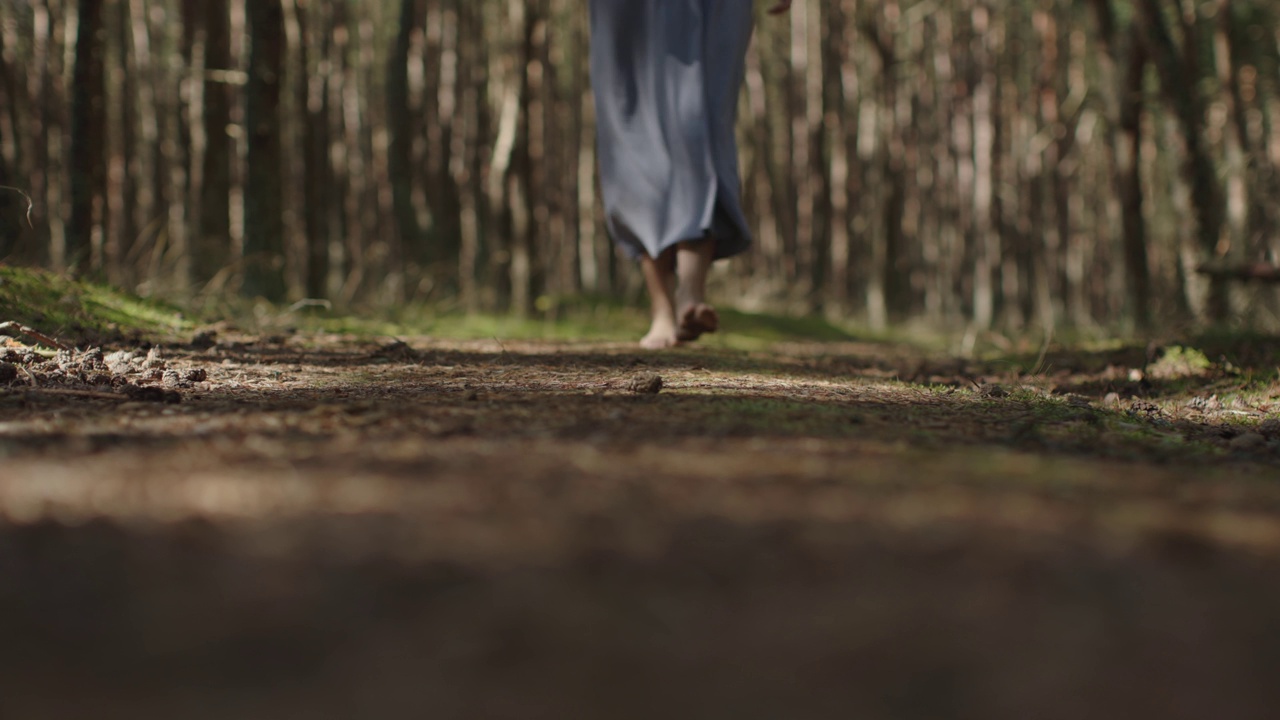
572,319
580,323
1179,362
765,328
79,312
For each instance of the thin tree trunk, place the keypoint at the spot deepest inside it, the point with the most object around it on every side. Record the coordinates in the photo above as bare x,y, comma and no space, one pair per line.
523,195
473,210
50,163
122,164
211,246
986,243
88,138
264,194
168,255
1127,58
801,107
317,191
835,21
401,127
1137,263
1179,77
1235,141
12,204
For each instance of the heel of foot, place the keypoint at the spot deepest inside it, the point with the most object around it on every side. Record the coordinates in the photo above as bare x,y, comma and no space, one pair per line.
697,321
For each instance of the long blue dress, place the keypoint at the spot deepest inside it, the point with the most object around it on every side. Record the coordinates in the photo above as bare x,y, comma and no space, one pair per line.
666,76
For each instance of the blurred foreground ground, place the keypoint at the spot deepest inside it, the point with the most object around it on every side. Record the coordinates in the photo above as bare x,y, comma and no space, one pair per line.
323,528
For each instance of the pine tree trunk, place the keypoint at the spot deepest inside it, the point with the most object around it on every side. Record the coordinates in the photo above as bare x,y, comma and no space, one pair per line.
12,204
88,138
317,181
1137,263
1179,78
264,194
401,127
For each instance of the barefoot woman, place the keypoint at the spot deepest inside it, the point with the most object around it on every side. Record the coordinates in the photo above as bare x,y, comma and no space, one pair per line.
666,76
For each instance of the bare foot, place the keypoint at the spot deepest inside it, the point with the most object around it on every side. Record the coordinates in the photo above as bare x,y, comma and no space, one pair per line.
697,319
662,334
660,280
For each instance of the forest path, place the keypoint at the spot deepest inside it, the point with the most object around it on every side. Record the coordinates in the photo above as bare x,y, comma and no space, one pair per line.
325,527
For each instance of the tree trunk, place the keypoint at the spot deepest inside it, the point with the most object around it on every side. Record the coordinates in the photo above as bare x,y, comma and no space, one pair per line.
88,156
835,178
401,130
12,204
211,246
1180,75
473,209
317,189
1129,179
986,245
264,194
523,195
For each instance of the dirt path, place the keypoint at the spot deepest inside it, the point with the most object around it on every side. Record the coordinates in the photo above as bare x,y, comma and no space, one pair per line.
319,527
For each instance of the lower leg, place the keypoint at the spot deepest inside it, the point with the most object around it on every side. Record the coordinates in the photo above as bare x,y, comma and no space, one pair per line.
694,316
660,280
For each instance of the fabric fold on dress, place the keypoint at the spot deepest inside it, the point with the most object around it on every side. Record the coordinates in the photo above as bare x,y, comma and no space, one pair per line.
667,75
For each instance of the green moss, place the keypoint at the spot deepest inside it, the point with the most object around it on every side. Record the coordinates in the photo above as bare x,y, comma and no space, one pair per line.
76,311
1180,362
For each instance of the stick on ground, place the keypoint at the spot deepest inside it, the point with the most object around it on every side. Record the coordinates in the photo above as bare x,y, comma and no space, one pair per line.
13,327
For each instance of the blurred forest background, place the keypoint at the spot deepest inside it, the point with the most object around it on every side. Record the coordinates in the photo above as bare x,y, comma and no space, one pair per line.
999,164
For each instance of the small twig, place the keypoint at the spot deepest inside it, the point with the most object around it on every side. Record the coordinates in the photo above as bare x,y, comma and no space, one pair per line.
6,327
1044,351
31,204
31,379
502,347
306,303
